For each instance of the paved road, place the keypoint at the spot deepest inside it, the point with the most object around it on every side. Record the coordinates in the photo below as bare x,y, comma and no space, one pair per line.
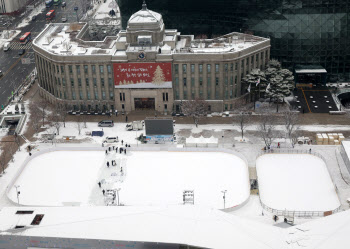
10,62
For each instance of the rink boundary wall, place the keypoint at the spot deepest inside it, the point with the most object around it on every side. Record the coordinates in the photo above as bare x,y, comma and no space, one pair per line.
153,149
293,213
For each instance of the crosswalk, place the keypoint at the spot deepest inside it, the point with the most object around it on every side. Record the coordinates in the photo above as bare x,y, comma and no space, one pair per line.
18,45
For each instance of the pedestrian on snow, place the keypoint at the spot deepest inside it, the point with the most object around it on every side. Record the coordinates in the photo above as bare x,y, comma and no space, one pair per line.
120,150
30,154
117,138
310,150
121,169
126,119
275,218
124,151
99,184
103,191
278,145
109,148
113,147
106,152
122,142
107,164
116,149
126,145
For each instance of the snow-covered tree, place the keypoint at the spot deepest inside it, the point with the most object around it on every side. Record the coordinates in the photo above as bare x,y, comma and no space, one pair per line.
243,120
281,80
291,120
267,129
195,108
252,79
158,77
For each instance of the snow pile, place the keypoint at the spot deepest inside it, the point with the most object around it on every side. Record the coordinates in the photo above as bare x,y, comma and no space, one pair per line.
34,12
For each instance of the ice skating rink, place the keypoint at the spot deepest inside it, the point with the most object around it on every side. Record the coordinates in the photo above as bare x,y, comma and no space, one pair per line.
295,182
150,178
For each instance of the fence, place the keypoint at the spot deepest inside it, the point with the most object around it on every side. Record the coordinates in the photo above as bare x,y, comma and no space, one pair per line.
290,213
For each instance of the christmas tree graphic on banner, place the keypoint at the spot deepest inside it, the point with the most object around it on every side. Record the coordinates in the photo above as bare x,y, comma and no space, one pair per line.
158,77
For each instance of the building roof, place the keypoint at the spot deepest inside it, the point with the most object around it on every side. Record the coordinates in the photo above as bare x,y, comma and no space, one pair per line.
145,16
184,224
159,127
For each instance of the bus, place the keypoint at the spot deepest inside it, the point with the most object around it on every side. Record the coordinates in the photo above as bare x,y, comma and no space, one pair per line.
49,3
56,2
25,38
50,15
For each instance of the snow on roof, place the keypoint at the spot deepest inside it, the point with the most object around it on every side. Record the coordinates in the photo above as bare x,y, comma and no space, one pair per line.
62,39
102,16
191,225
145,16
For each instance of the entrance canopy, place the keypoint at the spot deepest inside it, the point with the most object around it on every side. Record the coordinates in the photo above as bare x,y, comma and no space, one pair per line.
310,74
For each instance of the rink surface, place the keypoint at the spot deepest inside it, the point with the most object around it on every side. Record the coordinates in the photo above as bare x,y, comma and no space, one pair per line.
151,178
295,182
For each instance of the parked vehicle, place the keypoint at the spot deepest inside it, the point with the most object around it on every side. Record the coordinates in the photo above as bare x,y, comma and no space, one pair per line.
111,140
1,73
97,133
6,46
63,4
134,126
33,18
64,19
106,123
21,51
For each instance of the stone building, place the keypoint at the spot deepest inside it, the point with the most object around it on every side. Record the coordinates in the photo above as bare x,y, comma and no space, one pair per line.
144,67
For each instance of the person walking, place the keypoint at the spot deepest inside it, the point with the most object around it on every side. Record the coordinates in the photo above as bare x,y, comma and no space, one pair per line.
122,142
103,191
124,151
99,184
107,164
106,152
116,150
109,148
278,145
310,151
126,119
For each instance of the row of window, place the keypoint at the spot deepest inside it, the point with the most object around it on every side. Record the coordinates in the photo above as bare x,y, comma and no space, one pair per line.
227,66
60,69
63,95
229,93
233,80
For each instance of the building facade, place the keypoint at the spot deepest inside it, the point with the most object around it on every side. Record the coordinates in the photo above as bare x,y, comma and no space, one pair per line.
145,66
11,6
301,31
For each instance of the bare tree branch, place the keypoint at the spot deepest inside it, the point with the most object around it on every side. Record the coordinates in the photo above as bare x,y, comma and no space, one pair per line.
195,108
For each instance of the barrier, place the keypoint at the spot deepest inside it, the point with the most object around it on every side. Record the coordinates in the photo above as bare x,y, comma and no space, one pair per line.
300,214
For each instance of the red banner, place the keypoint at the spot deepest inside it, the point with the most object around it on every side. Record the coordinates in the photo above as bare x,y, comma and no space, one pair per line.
135,73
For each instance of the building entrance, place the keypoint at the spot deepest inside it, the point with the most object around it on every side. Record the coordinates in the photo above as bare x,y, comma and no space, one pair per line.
144,103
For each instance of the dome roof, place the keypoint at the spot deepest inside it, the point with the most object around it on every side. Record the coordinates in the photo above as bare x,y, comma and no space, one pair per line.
145,17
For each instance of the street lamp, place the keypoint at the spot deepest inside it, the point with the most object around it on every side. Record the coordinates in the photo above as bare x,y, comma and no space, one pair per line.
17,192
76,12
224,197
118,189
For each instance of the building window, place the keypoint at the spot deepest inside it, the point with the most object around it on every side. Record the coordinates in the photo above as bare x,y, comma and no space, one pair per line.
65,95
216,81
185,94
73,94
93,67
81,94
176,81
200,66
226,81
58,69
78,69
95,82
185,81
200,81
79,82
226,107
226,67
217,68
88,94
192,82
59,81
184,68
251,59
111,95
85,69
110,83
209,82
102,82
109,69
177,95
96,94
192,68
176,68
103,95
122,96
165,96
87,82
217,95
231,67
101,69
72,82
62,69
209,107
236,66
63,81
208,68
231,81
70,69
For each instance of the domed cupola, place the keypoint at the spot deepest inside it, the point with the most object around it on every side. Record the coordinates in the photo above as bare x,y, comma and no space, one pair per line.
145,23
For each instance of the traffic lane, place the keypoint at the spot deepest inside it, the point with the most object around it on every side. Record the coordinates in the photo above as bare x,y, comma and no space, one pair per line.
15,76
7,59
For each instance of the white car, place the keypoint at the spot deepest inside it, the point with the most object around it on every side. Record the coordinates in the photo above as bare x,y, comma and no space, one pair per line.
111,140
1,73
64,19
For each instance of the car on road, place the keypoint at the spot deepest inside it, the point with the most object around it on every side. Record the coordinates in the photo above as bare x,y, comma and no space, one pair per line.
106,123
21,52
63,4
64,19
111,140
76,8
1,74
33,18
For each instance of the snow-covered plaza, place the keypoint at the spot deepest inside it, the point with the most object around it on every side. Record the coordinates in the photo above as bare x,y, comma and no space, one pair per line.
296,182
65,178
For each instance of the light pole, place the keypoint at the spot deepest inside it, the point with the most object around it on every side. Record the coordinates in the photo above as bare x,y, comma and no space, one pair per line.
17,192
224,197
76,12
118,189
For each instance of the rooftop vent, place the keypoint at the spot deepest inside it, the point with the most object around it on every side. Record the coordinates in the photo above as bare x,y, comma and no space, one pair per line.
24,212
37,219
